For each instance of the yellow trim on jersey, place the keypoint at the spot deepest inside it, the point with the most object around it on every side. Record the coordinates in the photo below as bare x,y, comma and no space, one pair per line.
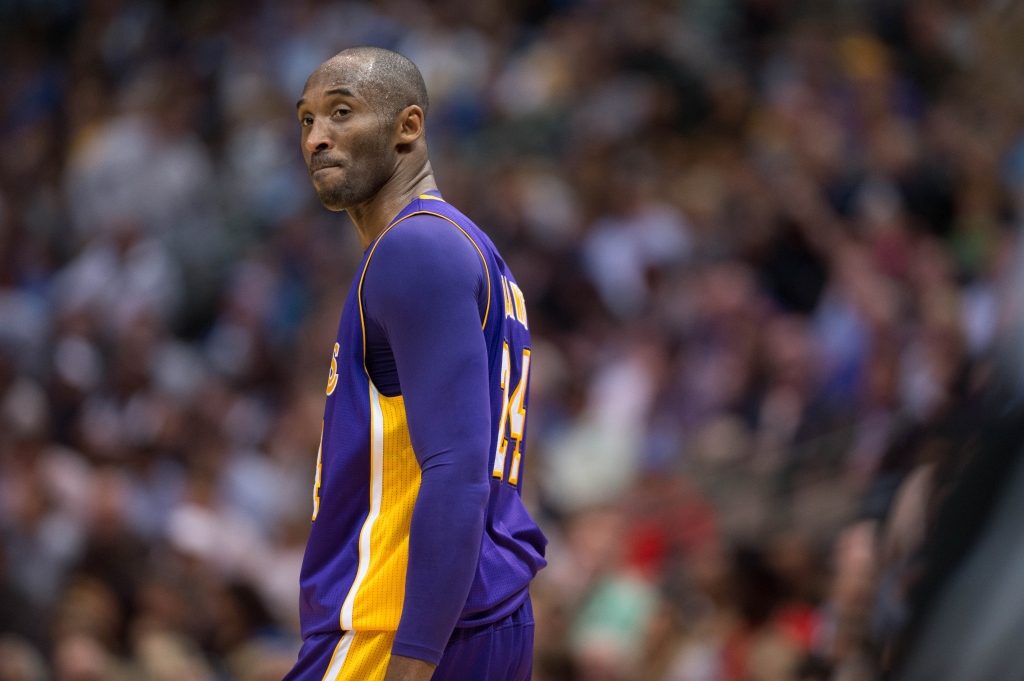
361,656
378,603
376,494
428,196
374,602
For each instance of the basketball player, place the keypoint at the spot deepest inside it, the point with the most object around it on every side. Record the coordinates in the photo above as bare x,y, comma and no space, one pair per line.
421,551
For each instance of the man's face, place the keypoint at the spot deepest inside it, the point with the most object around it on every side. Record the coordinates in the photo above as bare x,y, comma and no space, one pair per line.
347,146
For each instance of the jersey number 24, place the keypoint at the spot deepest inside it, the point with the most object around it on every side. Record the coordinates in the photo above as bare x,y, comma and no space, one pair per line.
513,413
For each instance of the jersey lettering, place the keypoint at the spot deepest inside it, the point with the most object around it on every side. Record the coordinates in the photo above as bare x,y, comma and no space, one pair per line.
513,414
332,377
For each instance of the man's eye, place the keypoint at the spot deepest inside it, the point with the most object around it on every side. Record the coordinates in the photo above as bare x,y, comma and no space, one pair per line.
307,120
342,112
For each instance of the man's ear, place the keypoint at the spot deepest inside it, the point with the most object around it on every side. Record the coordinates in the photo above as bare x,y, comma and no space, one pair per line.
409,125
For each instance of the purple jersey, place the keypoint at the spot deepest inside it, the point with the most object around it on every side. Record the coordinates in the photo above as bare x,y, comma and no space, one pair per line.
357,561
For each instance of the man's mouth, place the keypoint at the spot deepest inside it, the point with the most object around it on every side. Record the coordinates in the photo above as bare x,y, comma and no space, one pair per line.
320,168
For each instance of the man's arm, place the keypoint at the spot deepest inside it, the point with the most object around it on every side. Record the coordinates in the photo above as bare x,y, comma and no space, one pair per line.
402,668
422,288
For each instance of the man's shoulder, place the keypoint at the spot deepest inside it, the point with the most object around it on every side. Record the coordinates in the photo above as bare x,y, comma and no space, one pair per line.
424,252
424,261
433,232
430,210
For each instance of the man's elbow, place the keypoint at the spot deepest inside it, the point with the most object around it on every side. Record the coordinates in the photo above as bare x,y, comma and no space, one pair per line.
466,481
478,493
472,485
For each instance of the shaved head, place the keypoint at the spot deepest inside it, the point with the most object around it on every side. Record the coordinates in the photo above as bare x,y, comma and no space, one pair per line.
389,81
362,113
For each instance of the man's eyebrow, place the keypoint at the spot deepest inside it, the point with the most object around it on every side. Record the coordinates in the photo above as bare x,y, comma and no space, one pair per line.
333,91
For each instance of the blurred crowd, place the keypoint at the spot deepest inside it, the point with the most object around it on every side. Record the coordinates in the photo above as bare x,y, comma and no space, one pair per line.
763,244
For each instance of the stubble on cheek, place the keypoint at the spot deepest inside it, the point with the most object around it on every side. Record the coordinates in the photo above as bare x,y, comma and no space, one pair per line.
365,173
335,193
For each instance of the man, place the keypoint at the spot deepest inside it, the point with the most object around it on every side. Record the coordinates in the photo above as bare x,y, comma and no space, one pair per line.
421,552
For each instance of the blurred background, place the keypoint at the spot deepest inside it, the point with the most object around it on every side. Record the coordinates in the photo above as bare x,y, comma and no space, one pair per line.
768,248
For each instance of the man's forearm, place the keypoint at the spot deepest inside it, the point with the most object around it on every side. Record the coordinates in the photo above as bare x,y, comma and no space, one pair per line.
444,544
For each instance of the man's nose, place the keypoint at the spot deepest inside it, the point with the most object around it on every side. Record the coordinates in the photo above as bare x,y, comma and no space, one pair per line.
318,139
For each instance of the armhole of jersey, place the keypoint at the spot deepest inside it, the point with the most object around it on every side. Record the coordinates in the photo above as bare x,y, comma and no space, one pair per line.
366,266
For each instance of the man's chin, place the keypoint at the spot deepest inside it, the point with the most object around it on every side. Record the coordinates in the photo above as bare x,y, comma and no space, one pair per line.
334,206
333,199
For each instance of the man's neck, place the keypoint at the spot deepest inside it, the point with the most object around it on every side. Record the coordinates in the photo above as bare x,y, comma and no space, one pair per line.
374,215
